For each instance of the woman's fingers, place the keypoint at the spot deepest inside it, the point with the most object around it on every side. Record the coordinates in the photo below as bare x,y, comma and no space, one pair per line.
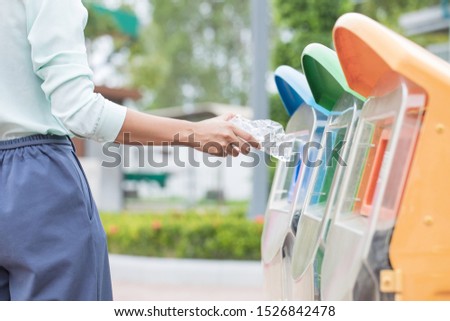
246,137
232,150
226,116
239,141
243,146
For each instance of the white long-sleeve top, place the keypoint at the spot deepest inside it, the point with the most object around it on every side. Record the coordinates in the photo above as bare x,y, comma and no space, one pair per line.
45,82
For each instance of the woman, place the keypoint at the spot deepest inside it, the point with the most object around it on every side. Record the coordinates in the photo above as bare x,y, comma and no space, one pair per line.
52,243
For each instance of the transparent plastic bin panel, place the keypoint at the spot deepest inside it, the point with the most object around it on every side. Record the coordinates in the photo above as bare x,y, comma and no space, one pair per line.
279,209
304,291
273,283
287,175
371,187
310,155
387,203
339,130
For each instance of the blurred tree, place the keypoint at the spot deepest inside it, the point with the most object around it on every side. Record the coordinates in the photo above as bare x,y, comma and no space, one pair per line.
299,23
121,22
99,24
387,12
120,26
193,51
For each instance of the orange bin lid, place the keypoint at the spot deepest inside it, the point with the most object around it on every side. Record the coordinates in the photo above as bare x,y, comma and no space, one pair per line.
370,52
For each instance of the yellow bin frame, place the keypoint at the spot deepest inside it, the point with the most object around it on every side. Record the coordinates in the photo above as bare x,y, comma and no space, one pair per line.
420,247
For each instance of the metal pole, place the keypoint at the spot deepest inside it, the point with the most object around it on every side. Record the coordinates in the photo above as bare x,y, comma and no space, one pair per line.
446,14
258,97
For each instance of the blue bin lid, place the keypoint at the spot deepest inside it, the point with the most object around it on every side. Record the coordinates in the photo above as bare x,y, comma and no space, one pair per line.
294,90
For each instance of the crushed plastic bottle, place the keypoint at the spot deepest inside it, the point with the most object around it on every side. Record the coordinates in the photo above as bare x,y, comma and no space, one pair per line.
269,134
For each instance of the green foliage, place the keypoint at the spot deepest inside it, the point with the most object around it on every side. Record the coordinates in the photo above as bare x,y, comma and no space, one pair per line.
187,235
120,24
299,23
150,66
387,12
306,21
103,21
194,51
99,24
277,111
302,22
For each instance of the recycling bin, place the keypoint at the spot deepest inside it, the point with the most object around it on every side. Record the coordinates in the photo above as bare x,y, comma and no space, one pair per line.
306,123
388,238
330,89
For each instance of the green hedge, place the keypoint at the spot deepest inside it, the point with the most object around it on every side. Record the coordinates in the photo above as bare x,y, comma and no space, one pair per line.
184,235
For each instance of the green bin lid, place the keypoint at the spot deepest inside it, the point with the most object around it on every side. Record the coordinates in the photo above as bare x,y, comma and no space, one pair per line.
325,76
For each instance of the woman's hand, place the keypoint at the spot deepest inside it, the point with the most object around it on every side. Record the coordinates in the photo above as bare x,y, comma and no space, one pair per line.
219,137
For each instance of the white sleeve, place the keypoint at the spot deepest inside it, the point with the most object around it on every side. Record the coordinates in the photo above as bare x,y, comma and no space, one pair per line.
58,52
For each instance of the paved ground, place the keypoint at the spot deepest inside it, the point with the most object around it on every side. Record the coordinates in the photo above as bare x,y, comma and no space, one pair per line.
154,279
130,291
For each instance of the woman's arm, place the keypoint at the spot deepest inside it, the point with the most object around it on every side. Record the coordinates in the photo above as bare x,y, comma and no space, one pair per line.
55,31
216,136
58,52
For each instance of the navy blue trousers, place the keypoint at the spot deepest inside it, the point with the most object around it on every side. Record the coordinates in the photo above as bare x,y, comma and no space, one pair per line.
52,243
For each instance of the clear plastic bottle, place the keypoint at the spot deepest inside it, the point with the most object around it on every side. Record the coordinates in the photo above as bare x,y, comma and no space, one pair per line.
269,134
